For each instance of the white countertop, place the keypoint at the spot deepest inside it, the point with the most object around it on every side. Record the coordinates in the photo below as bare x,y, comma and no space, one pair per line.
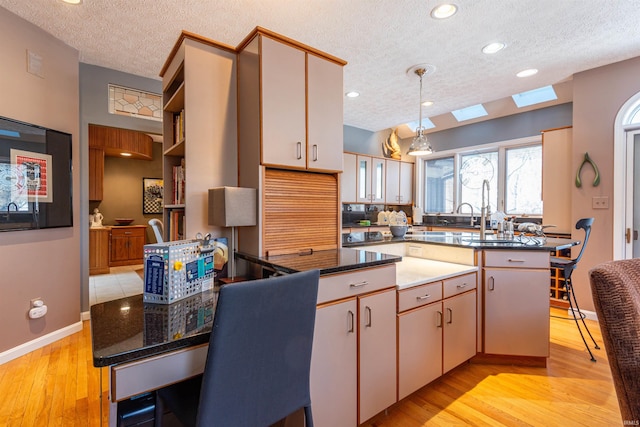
416,271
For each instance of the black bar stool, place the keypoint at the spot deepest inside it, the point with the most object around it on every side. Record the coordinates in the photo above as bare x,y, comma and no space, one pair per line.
567,266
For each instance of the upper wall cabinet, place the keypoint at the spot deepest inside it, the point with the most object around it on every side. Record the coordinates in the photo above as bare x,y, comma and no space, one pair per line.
399,185
291,104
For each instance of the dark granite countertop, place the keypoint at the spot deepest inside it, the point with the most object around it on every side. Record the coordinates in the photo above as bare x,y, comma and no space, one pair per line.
328,262
461,239
128,329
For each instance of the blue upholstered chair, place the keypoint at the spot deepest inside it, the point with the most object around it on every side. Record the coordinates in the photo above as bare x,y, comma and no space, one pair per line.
567,266
257,368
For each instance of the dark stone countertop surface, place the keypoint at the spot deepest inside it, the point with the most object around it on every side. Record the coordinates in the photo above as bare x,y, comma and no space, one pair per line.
129,329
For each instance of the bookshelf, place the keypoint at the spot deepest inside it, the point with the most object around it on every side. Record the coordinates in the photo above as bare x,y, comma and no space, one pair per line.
200,131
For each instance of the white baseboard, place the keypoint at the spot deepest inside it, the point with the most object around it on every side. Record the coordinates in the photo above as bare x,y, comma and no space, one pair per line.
591,315
39,342
85,315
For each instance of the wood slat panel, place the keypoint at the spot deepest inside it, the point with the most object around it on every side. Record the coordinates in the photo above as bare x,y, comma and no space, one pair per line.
295,211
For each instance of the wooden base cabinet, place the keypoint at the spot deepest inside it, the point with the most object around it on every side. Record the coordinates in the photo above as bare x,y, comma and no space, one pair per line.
377,353
334,365
516,303
434,334
127,245
98,251
353,364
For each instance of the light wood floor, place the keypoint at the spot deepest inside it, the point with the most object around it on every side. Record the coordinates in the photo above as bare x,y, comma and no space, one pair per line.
58,386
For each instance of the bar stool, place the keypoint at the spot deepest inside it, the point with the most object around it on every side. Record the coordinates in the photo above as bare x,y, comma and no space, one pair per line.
567,266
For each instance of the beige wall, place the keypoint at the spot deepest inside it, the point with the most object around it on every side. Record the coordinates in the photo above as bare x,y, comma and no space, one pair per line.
39,263
598,96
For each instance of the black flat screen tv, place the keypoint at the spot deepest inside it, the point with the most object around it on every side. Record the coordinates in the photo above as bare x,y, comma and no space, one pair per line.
36,188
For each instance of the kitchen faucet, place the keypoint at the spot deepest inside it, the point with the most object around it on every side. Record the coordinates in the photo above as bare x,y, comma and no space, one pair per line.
484,210
473,220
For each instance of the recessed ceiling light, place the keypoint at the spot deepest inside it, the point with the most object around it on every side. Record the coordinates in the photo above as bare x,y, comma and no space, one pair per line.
444,11
352,94
493,47
527,73
427,103
72,1
125,154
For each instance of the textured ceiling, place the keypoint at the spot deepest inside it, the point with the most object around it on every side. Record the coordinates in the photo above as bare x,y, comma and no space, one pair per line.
380,40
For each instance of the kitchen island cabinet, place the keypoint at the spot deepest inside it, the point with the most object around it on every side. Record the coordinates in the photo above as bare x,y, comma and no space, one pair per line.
353,364
516,303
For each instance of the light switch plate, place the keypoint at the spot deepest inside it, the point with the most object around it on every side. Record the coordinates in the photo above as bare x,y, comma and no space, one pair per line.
600,202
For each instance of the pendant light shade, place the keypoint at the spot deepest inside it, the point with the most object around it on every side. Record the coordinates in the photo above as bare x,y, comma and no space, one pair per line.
420,145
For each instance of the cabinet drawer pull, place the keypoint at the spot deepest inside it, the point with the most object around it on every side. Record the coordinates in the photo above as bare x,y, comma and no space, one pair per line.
127,232
439,324
515,260
492,283
350,322
315,152
299,150
464,285
450,316
367,315
359,284
423,297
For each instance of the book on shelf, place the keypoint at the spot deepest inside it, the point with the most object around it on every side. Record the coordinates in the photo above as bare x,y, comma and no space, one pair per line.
178,126
176,224
178,180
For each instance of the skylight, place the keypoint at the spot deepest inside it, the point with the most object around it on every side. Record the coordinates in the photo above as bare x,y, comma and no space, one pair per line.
535,96
426,123
469,113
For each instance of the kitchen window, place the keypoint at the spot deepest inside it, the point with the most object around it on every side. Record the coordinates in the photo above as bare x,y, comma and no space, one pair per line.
513,170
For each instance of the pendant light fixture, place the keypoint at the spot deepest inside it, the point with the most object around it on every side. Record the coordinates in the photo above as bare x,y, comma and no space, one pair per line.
420,145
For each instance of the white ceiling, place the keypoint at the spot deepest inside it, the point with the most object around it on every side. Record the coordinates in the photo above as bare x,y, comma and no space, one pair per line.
380,40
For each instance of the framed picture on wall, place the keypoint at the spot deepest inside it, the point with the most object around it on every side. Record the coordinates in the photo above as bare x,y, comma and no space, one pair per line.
152,192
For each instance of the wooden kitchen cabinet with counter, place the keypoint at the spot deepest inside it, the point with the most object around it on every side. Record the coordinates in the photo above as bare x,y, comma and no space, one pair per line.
127,245
99,250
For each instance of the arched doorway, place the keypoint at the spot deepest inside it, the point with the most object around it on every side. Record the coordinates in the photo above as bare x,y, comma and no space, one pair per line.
626,221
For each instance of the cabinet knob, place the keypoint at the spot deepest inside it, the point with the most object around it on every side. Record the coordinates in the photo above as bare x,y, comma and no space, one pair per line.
315,152
367,314
359,284
299,150
350,321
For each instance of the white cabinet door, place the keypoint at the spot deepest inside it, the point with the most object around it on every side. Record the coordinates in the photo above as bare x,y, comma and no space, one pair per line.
516,312
392,195
348,180
334,367
459,330
283,109
370,179
325,118
419,348
377,352
406,183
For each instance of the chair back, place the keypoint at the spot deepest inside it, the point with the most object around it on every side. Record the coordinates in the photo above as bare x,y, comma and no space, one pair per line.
615,286
585,224
257,368
157,227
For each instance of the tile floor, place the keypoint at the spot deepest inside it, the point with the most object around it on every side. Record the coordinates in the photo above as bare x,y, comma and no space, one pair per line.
121,282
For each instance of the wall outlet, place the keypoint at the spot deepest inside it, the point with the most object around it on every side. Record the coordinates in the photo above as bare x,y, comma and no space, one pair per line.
600,202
